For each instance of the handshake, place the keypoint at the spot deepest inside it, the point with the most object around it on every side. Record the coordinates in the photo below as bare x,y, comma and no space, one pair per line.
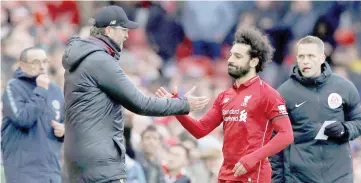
195,103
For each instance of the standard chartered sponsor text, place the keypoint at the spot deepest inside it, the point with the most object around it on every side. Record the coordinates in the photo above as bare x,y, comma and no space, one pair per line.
231,118
232,111
234,115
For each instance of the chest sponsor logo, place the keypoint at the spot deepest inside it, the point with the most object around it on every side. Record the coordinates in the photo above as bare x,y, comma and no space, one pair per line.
282,109
245,100
334,100
234,115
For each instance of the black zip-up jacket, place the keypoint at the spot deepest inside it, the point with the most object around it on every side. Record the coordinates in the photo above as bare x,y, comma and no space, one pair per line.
95,90
311,102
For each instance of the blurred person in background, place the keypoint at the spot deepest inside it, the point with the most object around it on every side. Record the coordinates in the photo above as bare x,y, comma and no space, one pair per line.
301,18
164,31
314,95
175,164
196,170
249,110
213,160
135,172
342,59
96,89
207,34
151,142
32,125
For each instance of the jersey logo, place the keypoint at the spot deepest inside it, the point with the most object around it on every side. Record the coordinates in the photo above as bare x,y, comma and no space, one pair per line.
225,100
245,100
334,100
243,116
282,109
298,105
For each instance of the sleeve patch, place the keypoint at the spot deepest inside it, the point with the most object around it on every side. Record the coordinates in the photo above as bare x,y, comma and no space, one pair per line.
282,109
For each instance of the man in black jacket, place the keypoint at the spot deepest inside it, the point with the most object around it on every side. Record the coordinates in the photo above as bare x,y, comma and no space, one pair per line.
96,89
325,112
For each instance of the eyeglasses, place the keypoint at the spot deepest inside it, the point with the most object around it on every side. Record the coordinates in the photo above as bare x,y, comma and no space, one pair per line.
37,62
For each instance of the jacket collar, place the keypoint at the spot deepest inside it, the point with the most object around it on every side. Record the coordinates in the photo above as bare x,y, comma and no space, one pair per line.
20,74
112,47
319,80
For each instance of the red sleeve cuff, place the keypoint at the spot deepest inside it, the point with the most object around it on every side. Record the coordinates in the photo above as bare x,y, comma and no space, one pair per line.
248,162
175,95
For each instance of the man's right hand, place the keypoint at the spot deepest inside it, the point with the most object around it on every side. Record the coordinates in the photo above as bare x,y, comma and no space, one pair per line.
195,103
43,81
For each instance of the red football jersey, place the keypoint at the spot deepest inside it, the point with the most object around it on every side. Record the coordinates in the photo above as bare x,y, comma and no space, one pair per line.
247,111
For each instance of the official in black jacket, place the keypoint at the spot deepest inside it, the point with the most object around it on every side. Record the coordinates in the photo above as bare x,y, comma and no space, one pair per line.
321,150
96,89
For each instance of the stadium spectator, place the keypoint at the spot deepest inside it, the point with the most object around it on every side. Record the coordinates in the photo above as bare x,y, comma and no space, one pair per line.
175,164
148,155
135,172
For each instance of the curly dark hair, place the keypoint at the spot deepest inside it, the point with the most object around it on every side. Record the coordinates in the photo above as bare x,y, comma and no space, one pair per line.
259,43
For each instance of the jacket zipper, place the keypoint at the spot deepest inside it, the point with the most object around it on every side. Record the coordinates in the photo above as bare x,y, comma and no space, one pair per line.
321,145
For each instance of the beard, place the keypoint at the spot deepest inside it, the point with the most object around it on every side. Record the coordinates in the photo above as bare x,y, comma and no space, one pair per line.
120,44
238,72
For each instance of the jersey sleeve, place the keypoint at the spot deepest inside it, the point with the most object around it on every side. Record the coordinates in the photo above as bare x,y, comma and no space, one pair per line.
274,105
211,120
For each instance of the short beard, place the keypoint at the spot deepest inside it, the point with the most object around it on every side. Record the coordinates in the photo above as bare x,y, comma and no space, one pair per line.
239,72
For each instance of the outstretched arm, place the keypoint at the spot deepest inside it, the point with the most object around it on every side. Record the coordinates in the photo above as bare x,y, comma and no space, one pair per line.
115,83
202,127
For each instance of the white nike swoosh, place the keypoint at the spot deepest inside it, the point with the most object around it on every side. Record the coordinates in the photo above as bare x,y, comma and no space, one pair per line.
298,105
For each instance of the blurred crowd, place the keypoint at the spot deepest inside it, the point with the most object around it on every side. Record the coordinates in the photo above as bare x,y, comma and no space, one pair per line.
185,44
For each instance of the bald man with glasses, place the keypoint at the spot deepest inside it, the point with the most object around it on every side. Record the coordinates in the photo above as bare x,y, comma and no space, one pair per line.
32,125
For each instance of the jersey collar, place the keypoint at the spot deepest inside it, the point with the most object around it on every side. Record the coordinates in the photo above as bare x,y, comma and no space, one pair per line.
247,83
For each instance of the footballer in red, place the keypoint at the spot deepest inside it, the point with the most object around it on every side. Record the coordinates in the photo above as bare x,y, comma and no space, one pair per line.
250,110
